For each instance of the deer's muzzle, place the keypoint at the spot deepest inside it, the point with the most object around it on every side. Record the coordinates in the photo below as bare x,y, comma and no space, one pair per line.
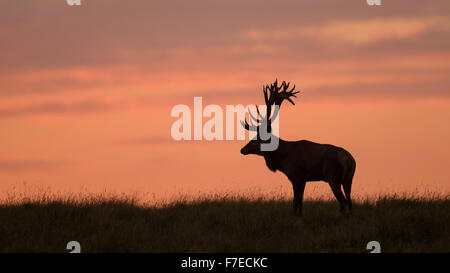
244,151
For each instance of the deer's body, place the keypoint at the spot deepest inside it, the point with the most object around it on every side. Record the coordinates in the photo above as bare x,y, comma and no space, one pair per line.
305,161
301,161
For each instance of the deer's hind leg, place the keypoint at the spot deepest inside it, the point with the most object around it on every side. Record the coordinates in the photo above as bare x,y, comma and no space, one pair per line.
336,188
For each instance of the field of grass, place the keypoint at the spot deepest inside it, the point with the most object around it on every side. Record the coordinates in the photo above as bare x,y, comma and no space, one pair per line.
225,225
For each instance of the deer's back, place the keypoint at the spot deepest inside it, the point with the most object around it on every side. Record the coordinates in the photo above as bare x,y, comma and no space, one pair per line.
311,161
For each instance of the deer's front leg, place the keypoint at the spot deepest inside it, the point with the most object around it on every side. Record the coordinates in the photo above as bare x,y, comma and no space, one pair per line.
299,188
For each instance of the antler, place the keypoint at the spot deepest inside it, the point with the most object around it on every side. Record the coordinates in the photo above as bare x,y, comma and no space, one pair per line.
272,95
251,126
276,97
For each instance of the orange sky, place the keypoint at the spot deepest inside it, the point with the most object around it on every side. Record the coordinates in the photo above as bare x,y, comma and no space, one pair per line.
86,92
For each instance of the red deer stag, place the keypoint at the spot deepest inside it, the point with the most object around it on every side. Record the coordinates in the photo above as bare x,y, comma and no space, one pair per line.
301,161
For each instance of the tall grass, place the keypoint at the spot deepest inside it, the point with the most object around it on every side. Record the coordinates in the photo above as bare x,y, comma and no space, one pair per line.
222,223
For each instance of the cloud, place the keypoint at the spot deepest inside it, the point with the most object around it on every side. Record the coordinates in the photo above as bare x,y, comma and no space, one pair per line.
28,164
52,35
355,32
162,140
184,49
361,32
383,90
55,108
151,140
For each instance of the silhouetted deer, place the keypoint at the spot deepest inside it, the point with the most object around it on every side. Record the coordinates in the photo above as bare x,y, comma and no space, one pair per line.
301,161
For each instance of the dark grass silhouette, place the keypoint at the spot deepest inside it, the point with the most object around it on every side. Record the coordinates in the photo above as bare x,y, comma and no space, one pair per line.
225,225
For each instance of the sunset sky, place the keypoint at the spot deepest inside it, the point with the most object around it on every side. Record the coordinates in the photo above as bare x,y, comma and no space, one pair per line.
86,91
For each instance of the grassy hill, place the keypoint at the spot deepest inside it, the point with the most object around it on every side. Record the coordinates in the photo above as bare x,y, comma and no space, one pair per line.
225,225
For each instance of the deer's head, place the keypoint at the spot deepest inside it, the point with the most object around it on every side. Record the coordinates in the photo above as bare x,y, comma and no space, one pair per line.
274,95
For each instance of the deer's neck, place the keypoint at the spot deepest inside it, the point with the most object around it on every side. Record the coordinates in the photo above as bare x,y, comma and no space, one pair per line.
274,159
